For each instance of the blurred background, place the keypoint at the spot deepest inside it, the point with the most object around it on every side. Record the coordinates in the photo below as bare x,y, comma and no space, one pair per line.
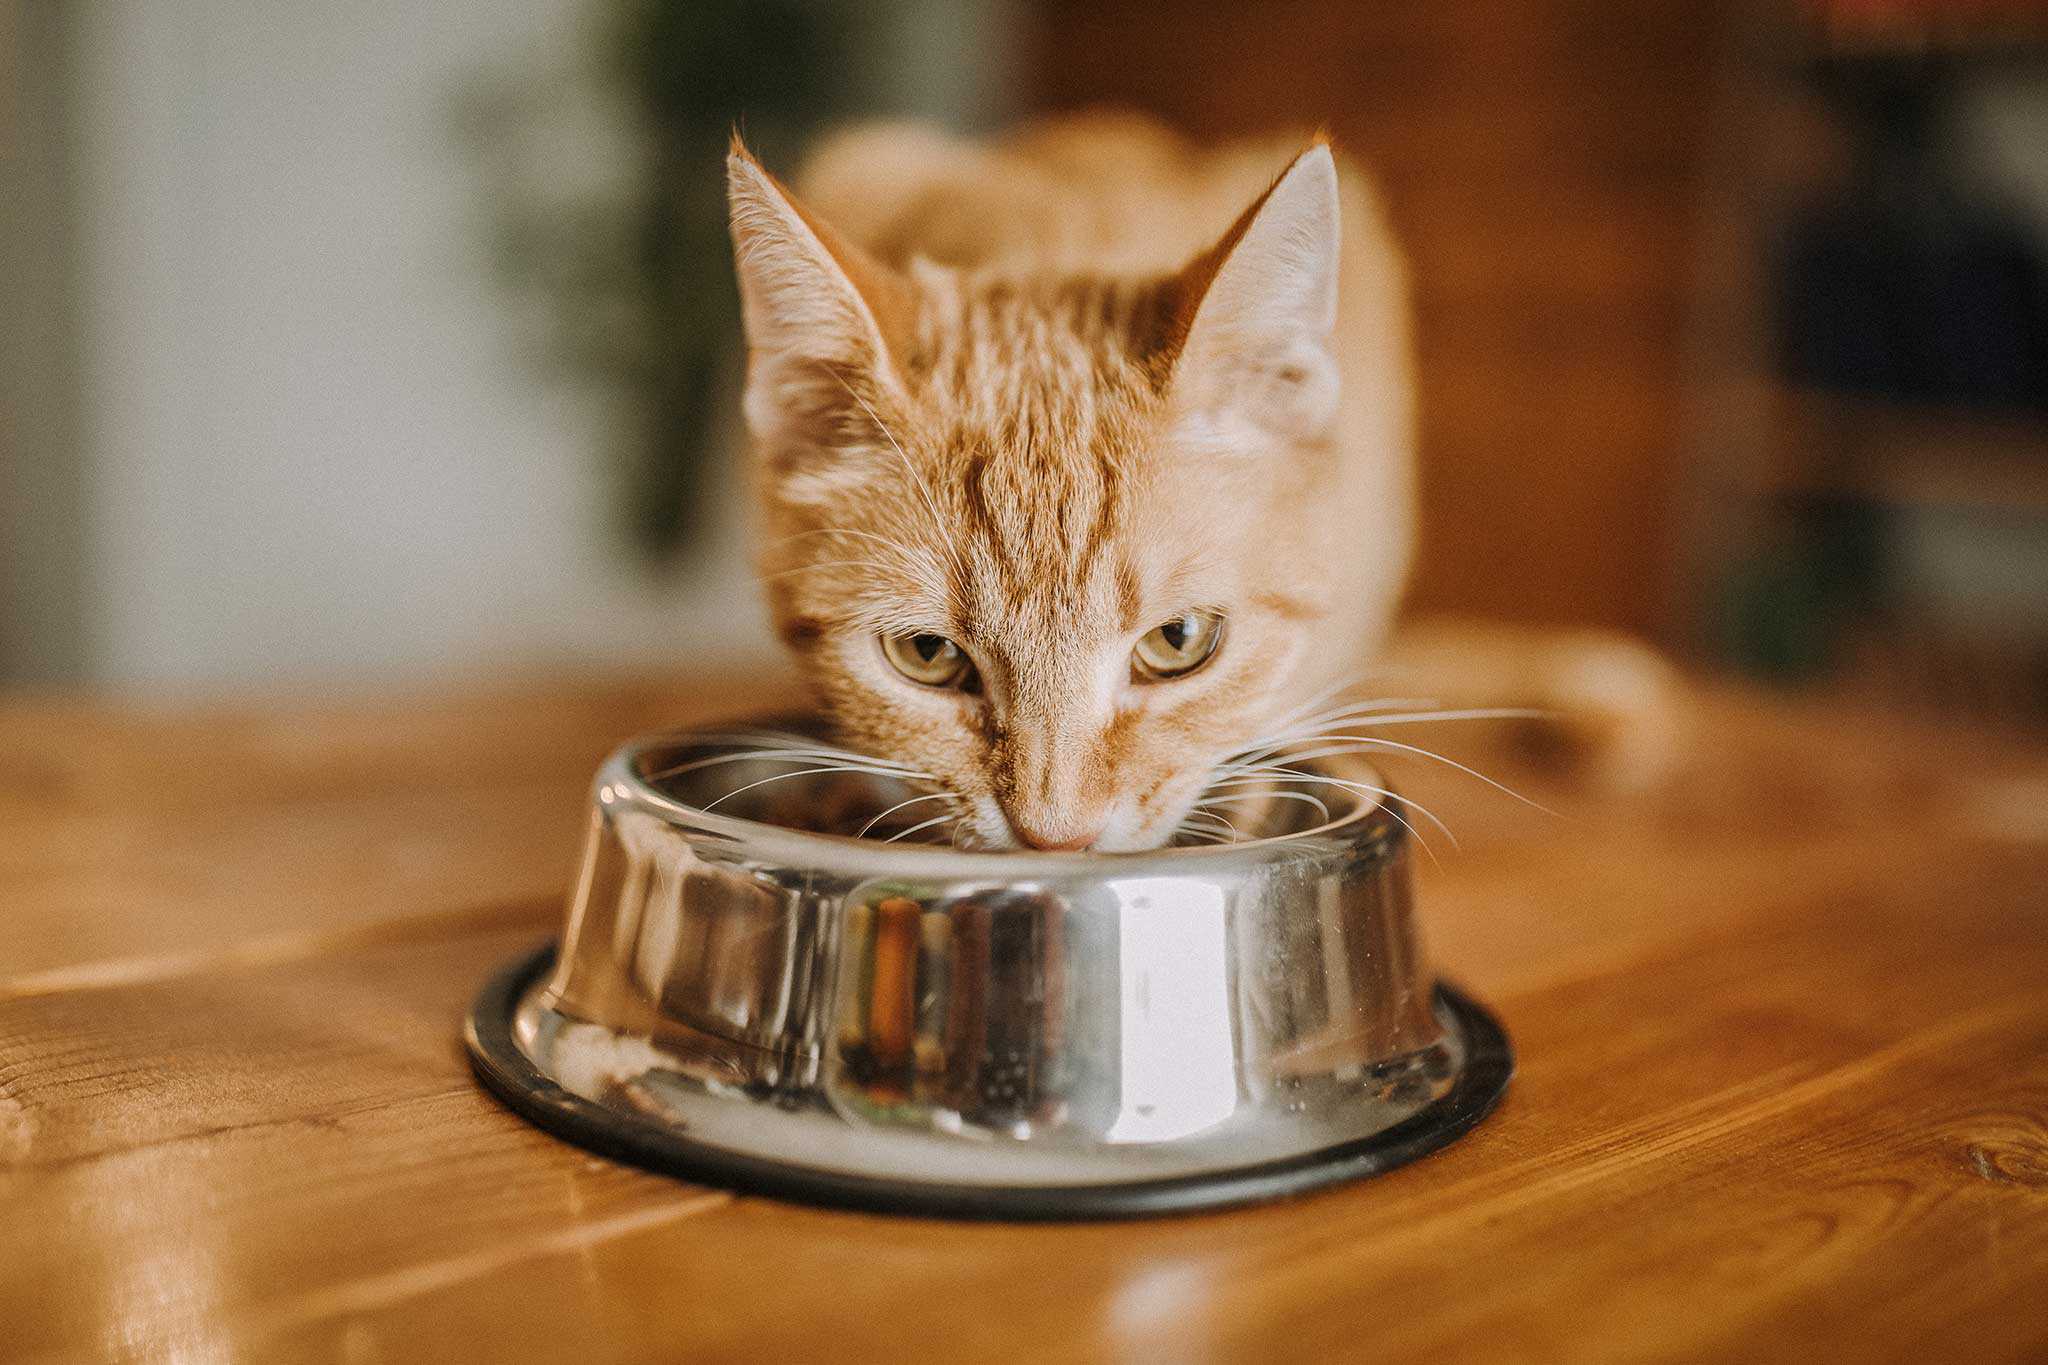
353,344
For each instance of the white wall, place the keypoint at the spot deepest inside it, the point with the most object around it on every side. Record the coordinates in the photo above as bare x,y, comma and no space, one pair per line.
315,449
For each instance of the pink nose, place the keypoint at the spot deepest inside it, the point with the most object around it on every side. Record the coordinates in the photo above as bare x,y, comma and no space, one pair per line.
1057,839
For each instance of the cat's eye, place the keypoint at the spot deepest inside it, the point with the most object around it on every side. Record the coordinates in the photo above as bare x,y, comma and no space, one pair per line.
930,659
1178,647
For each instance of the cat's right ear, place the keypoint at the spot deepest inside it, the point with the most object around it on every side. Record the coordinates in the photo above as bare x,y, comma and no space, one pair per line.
1252,350
819,313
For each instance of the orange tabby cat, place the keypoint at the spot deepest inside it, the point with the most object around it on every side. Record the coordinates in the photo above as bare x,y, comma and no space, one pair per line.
1081,460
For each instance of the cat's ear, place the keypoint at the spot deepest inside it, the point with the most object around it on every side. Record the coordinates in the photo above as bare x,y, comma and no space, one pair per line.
1253,344
819,313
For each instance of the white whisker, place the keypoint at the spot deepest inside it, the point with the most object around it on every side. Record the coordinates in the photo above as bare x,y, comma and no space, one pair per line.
779,777
1368,706
906,833
790,742
1415,833
1471,713
847,762
915,800
1317,802
1323,696
1352,743
1305,727
1390,803
1203,810
1387,798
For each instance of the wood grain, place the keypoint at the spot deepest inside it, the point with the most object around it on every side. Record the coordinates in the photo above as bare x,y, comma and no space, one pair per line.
1783,1029
148,834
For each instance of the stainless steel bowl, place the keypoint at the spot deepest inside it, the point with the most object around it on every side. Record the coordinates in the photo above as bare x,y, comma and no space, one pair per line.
920,1028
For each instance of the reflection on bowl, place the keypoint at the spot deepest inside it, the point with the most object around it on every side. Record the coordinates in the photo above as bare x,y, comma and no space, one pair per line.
747,994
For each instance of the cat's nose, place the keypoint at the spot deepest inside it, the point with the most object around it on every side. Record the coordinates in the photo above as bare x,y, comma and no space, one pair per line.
1059,838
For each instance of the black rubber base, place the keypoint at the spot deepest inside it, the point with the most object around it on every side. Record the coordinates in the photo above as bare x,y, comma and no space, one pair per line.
510,1075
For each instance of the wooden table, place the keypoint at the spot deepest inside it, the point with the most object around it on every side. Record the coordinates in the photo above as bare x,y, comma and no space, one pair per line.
1783,1093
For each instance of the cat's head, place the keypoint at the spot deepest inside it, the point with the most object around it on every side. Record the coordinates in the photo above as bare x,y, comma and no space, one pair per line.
1036,535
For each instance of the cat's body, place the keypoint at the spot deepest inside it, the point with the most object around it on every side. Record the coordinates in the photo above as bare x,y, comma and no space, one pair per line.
1081,461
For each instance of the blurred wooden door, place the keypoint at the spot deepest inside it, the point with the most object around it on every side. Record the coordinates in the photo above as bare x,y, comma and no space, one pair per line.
1539,159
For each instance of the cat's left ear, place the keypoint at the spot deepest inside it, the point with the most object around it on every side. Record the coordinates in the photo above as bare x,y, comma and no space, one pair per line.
819,313
1252,349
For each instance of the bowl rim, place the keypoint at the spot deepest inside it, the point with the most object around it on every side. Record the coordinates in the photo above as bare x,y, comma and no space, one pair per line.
1353,836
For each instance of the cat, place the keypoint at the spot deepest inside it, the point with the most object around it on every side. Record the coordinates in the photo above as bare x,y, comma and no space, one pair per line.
1081,460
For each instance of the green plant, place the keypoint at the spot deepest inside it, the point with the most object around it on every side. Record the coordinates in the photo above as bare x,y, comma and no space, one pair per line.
633,286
